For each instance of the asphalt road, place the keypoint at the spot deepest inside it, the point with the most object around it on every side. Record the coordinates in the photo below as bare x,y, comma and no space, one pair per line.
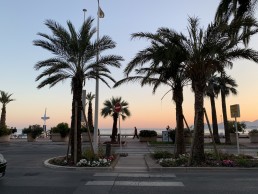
26,174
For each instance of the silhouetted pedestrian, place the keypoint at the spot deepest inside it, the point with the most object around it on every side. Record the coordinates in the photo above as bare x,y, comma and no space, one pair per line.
135,133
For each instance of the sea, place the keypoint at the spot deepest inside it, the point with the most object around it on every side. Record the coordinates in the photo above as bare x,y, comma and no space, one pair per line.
130,131
126,131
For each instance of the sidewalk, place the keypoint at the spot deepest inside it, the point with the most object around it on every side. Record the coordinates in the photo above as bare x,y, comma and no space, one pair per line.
139,160
135,160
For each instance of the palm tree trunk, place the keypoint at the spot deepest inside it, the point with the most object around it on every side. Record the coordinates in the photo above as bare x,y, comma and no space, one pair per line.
3,116
225,118
114,130
214,120
198,142
77,96
178,98
90,119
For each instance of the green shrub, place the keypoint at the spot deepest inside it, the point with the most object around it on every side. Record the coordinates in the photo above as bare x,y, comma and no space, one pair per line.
34,130
14,130
241,126
148,133
162,154
253,131
4,130
88,154
182,160
61,128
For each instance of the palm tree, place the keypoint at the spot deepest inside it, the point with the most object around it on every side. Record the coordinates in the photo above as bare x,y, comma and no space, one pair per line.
5,98
226,86
109,110
211,87
165,68
233,11
237,8
74,59
90,97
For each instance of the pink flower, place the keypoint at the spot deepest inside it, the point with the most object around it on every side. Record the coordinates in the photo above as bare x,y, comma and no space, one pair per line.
228,163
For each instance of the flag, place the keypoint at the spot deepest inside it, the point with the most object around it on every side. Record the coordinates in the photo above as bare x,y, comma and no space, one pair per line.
101,13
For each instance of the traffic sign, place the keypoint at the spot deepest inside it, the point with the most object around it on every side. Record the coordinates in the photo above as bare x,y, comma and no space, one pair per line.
235,111
117,107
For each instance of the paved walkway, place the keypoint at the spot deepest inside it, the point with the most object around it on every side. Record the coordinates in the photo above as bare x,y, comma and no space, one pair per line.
138,159
135,160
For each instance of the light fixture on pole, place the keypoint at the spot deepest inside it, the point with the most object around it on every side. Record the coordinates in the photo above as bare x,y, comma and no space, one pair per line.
100,14
84,10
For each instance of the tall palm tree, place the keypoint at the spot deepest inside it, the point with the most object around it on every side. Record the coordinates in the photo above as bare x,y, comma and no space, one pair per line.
211,87
90,97
75,54
5,98
109,110
165,68
226,86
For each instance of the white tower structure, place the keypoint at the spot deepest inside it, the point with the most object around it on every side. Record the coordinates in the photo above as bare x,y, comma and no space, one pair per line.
45,118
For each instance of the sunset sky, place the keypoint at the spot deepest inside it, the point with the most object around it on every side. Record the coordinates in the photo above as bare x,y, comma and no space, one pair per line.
22,20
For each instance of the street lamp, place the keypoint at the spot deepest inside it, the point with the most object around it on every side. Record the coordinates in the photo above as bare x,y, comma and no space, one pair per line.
84,10
100,14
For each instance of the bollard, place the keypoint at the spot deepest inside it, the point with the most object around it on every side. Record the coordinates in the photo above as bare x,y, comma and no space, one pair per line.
118,137
108,149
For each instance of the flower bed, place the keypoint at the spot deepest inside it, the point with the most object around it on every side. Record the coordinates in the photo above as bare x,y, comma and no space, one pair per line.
100,162
97,162
3,164
166,159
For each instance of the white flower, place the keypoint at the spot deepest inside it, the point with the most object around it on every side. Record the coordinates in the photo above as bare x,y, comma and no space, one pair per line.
83,161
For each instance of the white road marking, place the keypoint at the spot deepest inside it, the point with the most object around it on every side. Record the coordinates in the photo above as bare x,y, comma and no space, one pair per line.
135,175
99,183
135,183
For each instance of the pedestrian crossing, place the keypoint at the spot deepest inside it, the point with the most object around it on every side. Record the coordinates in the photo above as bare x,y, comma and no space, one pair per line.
135,180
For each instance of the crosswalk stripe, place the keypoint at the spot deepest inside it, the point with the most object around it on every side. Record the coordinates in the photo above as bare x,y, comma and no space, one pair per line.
136,175
134,183
99,183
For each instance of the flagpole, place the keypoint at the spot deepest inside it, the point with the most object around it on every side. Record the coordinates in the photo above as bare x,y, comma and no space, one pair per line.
97,91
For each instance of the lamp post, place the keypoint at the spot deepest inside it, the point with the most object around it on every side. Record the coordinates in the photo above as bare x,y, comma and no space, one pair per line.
100,14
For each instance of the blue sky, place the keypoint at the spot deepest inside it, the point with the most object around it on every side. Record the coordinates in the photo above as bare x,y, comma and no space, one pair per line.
22,20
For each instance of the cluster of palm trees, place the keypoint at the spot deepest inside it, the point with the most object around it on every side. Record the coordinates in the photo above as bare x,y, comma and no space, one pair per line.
109,110
173,59
224,85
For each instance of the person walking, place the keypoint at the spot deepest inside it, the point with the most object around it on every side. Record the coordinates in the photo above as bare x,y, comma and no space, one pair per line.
135,133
